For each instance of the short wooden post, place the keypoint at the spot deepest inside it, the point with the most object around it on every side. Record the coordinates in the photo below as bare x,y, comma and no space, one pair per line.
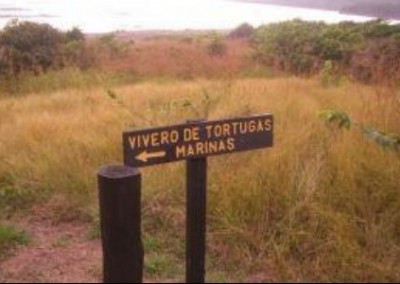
120,215
196,172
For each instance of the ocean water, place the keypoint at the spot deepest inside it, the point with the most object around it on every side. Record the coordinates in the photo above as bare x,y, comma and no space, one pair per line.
96,16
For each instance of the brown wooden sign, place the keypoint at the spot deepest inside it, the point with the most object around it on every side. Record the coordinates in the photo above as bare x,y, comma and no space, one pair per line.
197,139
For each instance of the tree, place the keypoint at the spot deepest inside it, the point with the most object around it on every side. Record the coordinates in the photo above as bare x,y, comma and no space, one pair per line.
216,46
75,50
75,35
28,46
288,46
242,31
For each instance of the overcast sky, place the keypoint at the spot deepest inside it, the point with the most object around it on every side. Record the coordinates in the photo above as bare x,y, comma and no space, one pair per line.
107,15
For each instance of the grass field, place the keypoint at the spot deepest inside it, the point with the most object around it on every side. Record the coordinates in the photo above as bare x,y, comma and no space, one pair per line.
322,205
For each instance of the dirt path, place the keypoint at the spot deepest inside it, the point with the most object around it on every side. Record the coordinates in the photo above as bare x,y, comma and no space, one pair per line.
62,253
59,253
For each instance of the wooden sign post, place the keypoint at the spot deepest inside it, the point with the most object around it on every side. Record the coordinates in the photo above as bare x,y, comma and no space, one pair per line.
194,142
120,216
196,139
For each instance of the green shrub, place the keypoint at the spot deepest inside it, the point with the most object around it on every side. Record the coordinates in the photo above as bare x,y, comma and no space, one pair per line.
30,46
368,52
36,48
244,30
329,76
216,46
10,238
341,119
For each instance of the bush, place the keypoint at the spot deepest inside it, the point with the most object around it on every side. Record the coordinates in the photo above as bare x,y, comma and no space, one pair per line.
378,62
33,47
288,46
216,46
329,76
367,51
243,31
75,35
30,47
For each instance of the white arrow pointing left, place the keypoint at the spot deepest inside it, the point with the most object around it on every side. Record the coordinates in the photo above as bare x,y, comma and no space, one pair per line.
145,156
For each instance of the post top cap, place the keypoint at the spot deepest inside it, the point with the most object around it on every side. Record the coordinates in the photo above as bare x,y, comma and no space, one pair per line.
117,171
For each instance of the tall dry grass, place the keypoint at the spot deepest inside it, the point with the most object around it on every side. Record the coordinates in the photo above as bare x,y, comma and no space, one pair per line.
321,205
157,59
185,58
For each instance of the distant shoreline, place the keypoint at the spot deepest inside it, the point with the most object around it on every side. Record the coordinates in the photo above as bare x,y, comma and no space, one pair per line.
390,14
197,17
266,2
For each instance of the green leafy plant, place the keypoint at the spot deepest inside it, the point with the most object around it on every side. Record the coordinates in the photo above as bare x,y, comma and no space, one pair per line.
339,118
386,140
342,120
329,76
